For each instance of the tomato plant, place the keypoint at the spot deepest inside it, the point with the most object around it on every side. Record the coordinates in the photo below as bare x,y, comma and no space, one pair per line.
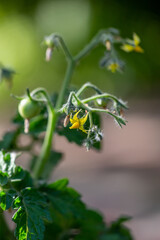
52,210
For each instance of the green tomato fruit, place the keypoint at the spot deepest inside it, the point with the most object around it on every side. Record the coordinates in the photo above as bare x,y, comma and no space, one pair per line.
28,108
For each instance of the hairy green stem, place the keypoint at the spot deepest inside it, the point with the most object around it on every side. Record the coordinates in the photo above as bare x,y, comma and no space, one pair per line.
105,95
93,43
69,72
88,85
46,147
64,47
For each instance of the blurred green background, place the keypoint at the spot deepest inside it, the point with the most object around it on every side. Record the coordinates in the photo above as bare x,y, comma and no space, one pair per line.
23,24
126,172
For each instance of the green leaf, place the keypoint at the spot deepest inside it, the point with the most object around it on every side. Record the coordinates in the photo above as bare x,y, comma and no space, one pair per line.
6,199
21,179
3,178
59,184
7,163
31,215
91,227
18,175
6,74
37,125
118,231
8,140
64,200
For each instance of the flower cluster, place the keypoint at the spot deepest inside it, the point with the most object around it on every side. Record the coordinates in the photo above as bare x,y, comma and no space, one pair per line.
132,45
81,111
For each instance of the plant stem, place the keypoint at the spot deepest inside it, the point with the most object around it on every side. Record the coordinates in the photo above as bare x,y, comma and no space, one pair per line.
69,72
52,120
46,147
53,114
94,42
88,85
105,95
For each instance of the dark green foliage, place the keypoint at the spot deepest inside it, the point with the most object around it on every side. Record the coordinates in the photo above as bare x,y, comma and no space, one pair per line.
30,215
6,74
117,231
54,206
7,163
8,140
7,198
3,178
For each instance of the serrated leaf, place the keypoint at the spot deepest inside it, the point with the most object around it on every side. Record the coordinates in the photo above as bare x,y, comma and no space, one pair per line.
6,199
17,202
3,178
8,140
21,180
7,163
31,215
66,201
18,175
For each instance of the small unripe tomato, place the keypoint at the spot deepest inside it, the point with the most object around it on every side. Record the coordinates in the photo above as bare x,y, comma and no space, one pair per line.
28,108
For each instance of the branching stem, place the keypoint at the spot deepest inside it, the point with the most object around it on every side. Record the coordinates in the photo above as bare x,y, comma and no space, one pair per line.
54,113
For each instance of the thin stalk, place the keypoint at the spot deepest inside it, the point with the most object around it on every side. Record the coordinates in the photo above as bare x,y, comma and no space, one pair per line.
88,85
91,124
105,95
64,47
69,72
94,42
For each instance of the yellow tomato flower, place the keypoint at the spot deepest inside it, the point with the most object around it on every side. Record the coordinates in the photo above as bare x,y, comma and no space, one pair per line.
113,67
133,45
77,123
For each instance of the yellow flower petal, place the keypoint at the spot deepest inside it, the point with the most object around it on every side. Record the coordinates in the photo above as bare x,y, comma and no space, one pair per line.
136,39
75,118
127,48
82,129
113,67
75,125
72,121
83,120
138,49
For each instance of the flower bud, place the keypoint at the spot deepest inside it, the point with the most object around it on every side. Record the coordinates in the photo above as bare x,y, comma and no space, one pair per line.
49,54
108,45
66,120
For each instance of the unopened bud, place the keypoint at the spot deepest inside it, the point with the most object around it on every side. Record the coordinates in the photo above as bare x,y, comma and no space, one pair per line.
108,45
26,125
66,120
49,54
